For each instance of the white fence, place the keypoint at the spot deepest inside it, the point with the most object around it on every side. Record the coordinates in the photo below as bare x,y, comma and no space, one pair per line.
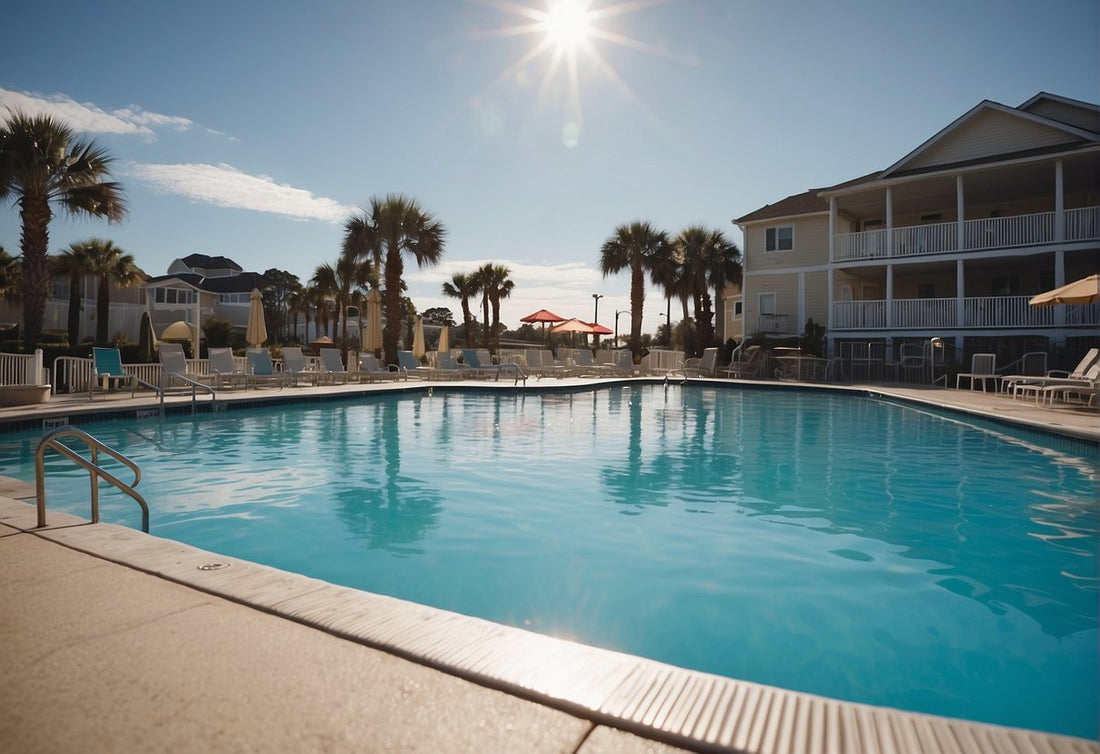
22,369
72,374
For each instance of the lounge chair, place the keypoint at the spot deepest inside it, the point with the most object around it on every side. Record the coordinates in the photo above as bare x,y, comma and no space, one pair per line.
450,368
1035,385
263,370
223,367
704,366
410,366
173,369
294,364
369,366
983,367
586,366
540,362
107,369
751,368
332,366
1066,386
472,359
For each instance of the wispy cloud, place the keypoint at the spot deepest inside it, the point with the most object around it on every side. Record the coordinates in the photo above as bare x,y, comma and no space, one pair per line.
89,118
225,186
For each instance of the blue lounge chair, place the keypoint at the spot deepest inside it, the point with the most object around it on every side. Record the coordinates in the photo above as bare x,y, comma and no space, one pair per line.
369,366
294,364
410,366
333,366
263,370
107,370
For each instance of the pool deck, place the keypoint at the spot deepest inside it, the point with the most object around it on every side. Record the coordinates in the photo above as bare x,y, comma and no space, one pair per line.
113,640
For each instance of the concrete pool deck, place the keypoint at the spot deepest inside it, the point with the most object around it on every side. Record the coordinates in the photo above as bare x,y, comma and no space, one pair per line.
118,641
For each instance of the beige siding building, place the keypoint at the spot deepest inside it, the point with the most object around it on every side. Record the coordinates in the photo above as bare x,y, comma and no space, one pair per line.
949,242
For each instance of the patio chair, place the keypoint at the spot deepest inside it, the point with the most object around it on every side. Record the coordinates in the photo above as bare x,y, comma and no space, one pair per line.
107,370
223,367
913,366
983,367
173,369
369,366
409,366
332,366
472,359
750,368
1032,365
1034,385
449,367
1049,389
704,366
540,366
294,364
263,370
586,366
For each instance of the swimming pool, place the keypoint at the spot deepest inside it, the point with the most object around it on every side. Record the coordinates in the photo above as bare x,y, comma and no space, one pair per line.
834,544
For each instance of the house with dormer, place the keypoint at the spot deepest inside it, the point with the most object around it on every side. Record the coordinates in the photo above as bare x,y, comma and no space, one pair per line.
199,287
949,242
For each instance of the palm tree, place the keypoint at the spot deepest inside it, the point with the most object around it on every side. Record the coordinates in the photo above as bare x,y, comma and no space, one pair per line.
113,267
710,260
665,274
73,262
297,302
43,164
495,282
338,282
394,226
464,286
637,247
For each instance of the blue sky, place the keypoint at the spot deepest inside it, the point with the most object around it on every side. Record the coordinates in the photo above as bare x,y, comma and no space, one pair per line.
254,129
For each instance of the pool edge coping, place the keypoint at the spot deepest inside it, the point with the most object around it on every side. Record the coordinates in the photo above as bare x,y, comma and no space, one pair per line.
657,701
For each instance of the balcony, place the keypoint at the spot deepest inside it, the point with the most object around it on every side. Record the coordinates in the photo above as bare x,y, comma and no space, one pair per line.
978,235
977,312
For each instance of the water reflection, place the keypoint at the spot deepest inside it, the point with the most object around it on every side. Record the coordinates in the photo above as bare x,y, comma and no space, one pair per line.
938,491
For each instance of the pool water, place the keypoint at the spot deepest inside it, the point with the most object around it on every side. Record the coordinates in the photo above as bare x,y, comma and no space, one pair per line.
834,544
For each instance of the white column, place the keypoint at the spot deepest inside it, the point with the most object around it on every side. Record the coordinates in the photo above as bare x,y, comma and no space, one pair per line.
960,300
1059,281
960,210
889,225
889,296
1059,206
832,228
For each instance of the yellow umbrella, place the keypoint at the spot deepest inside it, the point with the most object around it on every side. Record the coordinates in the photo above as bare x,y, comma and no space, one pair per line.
256,332
418,348
444,344
1083,291
372,333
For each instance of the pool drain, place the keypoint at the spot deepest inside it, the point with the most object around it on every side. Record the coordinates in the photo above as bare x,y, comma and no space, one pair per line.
213,566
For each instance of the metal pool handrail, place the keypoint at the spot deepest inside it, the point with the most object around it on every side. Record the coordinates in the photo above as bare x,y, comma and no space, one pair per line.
52,440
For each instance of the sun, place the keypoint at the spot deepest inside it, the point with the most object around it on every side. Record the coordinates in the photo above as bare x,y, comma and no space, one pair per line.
567,24
566,40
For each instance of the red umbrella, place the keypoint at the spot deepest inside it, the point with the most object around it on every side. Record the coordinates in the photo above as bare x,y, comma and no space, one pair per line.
598,329
572,325
543,316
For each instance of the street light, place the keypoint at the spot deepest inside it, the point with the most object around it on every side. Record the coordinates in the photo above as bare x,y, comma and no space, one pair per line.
596,316
617,313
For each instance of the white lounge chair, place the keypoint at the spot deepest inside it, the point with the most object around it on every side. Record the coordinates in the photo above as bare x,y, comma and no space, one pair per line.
704,366
294,364
333,366
983,368
369,366
263,370
223,368
1081,372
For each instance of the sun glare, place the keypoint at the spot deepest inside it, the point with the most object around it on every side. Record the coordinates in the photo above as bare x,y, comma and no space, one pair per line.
567,24
567,37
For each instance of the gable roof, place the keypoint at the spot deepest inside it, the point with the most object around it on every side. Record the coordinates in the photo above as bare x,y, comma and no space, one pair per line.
243,283
990,131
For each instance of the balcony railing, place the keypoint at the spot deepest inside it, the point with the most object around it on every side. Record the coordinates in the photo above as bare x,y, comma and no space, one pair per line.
978,311
986,233
772,323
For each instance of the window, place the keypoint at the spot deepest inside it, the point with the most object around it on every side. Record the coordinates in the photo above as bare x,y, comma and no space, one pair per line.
235,298
767,303
779,239
738,307
933,218
174,296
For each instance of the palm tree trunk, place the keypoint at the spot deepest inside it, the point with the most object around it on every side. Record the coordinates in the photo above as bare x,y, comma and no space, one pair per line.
467,322
76,285
35,215
485,313
637,300
392,332
103,310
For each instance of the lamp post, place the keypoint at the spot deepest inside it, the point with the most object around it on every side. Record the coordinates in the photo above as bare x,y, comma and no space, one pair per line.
617,313
596,316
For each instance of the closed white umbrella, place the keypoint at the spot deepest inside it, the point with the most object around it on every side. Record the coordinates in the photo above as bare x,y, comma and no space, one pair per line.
256,332
444,339
372,333
418,348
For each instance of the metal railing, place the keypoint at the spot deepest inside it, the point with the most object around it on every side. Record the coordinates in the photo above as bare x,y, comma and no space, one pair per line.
53,441
977,311
1014,231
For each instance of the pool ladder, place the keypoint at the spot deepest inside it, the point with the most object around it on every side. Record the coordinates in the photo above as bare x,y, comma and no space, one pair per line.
53,441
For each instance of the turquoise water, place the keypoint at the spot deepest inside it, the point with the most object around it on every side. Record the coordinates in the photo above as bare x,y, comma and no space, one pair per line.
832,544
